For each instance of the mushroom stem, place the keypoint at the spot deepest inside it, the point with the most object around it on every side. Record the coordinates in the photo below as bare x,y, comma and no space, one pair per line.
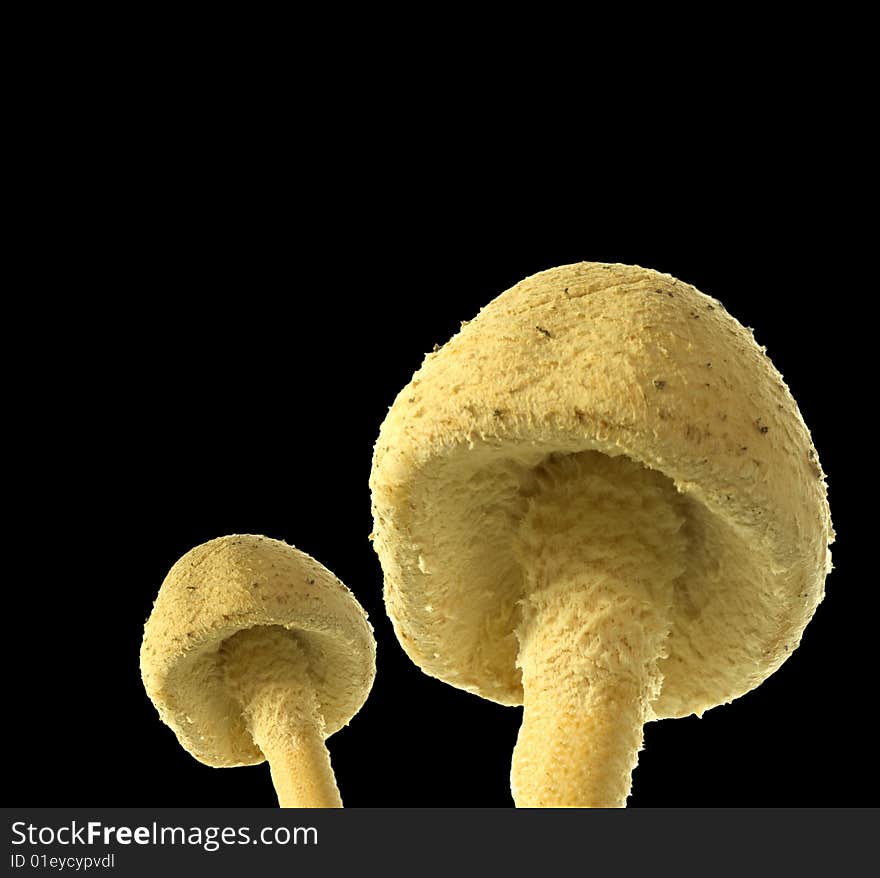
582,720
268,671
298,759
600,545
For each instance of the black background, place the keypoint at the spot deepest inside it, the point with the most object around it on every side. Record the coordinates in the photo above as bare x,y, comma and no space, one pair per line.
211,346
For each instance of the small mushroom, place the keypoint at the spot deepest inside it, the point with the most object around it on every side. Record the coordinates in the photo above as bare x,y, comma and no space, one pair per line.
253,652
623,545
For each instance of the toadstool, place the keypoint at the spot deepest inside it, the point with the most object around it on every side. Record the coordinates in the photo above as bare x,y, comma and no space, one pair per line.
254,651
599,501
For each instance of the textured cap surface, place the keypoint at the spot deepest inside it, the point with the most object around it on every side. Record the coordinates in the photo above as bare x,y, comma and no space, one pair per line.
625,361
236,583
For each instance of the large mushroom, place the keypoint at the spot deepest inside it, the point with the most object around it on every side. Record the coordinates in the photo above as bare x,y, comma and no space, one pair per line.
600,501
254,651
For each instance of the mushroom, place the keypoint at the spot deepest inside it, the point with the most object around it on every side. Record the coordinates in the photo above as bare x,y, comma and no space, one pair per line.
599,501
256,651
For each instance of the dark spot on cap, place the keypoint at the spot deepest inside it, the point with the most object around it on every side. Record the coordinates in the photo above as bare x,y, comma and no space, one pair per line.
659,384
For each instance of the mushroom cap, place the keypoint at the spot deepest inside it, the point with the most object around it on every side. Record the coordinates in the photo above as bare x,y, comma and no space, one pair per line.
236,583
625,361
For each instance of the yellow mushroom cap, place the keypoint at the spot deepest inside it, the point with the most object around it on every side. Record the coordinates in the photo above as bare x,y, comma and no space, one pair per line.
625,361
232,584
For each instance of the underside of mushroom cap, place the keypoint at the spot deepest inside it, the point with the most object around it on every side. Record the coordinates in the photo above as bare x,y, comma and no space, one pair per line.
236,583
624,361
